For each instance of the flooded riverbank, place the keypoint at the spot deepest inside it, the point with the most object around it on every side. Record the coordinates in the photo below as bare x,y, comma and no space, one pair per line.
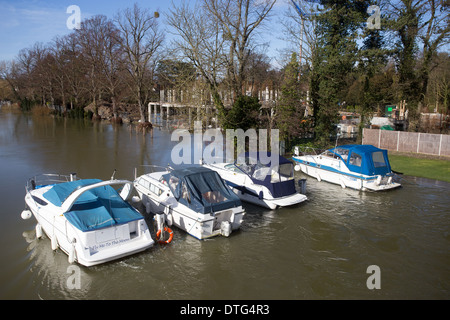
320,249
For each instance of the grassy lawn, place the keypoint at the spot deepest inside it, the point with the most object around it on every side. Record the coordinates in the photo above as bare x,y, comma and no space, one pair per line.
421,167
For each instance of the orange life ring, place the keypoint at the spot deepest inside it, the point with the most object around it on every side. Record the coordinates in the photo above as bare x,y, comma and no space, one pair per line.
158,234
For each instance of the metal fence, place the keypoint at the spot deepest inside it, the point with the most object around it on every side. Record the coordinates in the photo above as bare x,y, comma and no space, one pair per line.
435,144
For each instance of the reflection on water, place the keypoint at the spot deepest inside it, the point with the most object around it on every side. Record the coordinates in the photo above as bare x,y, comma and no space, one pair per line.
319,249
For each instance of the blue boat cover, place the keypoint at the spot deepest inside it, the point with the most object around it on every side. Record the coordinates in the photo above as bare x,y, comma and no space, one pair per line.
201,189
365,159
278,189
96,208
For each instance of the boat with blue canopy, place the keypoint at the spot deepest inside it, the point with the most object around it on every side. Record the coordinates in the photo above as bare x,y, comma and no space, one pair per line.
268,185
194,199
87,219
361,167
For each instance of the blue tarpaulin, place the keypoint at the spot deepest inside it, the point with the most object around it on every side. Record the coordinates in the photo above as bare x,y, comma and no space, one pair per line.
365,159
201,189
278,188
96,208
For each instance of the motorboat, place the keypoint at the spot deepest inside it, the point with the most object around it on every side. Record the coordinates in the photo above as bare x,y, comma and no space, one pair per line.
194,199
86,218
266,185
361,167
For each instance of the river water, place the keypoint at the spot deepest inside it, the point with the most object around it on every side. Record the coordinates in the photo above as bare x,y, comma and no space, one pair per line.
320,249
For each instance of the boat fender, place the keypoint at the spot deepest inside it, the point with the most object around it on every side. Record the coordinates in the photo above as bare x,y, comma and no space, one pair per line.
38,231
297,167
54,242
261,195
72,253
135,199
342,184
26,214
390,180
169,219
166,229
318,178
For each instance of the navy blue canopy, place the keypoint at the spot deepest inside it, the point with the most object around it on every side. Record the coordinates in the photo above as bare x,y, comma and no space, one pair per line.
96,208
277,177
365,159
201,189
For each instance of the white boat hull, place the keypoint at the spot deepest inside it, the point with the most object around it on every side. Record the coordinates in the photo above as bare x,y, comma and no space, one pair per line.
254,193
198,225
335,173
87,248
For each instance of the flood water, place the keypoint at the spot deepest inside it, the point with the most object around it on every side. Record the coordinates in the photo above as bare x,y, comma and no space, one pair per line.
320,249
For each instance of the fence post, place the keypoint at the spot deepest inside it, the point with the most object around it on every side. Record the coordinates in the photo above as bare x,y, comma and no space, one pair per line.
440,144
398,138
418,142
379,138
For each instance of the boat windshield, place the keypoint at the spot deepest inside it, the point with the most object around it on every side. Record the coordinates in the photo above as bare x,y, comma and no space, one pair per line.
259,171
342,152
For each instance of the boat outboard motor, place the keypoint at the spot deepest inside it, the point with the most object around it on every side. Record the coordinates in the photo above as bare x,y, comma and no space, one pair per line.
302,185
225,228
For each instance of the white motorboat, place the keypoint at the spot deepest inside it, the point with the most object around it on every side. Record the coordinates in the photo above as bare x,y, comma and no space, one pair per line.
361,167
194,199
264,185
87,219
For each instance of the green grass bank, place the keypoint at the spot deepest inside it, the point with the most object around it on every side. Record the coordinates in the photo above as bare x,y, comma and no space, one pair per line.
424,166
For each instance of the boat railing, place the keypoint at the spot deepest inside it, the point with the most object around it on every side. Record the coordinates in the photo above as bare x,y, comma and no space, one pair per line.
149,168
307,152
48,179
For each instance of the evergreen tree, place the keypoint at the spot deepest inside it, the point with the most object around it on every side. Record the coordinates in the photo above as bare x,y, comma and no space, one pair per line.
334,58
288,111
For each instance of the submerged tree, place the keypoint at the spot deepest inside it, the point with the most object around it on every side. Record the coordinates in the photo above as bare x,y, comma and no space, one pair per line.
141,41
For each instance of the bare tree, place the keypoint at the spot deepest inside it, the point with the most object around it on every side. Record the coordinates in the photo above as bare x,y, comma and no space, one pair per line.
92,45
141,41
199,42
75,68
8,72
217,37
298,30
238,21
100,42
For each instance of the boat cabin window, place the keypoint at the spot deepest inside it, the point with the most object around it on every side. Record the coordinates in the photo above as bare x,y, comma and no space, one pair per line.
163,181
214,196
184,192
39,201
355,160
173,182
155,189
144,183
378,159
283,172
